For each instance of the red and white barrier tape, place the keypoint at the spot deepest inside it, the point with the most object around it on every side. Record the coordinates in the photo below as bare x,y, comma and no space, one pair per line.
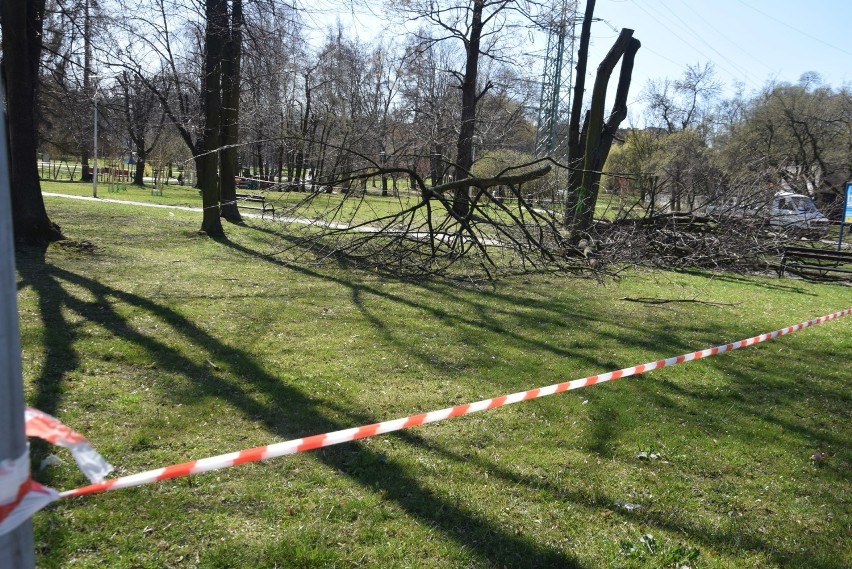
50,429
347,435
20,496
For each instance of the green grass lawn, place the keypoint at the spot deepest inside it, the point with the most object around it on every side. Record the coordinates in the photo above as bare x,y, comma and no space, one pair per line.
162,345
175,195
332,207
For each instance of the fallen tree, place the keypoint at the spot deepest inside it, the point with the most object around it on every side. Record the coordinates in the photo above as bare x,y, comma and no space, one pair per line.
508,228
426,236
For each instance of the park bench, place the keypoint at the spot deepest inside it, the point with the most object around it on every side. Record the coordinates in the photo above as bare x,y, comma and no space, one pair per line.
245,201
815,262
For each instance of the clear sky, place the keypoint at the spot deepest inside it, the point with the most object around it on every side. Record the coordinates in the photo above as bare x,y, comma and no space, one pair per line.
748,41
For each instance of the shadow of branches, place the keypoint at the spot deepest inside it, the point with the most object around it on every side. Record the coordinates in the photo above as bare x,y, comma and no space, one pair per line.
290,414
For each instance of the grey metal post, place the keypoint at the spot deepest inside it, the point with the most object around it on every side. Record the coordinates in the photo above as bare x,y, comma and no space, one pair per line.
16,547
95,152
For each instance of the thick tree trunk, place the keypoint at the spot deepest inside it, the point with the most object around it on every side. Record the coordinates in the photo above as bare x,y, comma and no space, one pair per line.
279,163
198,159
86,170
299,173
600,135
435,166
575,144
22,32
86,175
231,114
464,148
217,19
139,173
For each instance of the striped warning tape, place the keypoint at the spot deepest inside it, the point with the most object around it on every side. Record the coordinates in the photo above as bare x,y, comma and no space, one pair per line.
49,428
347,435
20,496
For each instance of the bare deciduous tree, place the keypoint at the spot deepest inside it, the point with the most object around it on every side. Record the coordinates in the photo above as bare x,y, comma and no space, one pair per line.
143,120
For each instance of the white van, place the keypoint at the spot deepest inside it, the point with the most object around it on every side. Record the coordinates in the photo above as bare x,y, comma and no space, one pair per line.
788,212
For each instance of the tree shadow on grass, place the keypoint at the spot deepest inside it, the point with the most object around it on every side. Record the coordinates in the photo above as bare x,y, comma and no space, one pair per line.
292,413
676,522
60,357
482,317
490,312
681,406
603,431
785,285
295,413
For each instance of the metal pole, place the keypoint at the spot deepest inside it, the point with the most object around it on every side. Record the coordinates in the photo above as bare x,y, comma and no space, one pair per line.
16,547
95,152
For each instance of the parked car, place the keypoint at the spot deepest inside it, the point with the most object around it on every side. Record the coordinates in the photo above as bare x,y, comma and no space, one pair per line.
787,212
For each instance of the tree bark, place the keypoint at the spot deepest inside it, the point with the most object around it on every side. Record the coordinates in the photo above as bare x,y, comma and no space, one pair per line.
86,174
216,18
464,148
139,173
21,22
600,135
435,192
231,114
575,144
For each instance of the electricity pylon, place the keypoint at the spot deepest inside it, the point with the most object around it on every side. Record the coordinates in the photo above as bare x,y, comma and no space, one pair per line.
557,77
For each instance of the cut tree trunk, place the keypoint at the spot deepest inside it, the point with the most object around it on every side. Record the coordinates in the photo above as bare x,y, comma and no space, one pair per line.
600,135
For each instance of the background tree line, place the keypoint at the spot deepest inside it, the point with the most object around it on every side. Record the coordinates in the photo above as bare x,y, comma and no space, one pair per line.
700,146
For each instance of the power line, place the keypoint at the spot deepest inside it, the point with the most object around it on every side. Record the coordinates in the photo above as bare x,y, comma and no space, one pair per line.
699,51
700,37
795,29
706,22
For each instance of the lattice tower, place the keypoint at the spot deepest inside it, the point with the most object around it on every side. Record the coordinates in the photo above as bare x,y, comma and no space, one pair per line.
557,78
